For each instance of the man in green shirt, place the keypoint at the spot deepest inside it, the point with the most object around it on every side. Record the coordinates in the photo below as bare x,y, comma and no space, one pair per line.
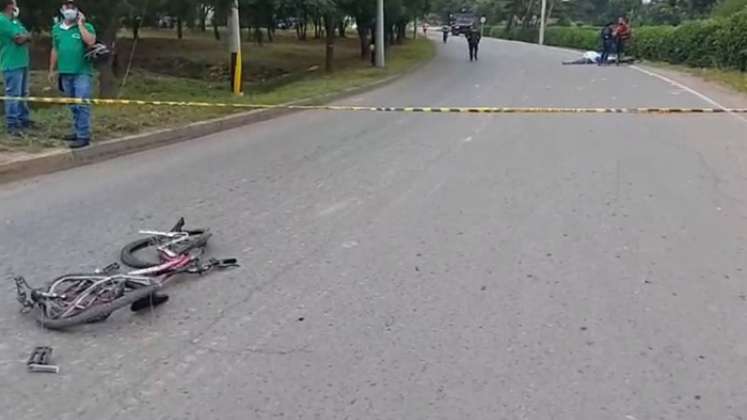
70,40
14,63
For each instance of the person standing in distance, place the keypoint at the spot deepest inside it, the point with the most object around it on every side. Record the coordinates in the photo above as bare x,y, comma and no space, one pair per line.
14,63
70,40
607,43
622,35
473,40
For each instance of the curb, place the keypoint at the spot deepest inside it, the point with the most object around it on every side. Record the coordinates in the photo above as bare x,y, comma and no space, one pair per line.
66,159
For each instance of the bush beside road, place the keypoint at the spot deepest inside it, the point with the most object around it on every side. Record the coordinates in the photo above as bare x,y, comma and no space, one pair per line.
712,43
195,69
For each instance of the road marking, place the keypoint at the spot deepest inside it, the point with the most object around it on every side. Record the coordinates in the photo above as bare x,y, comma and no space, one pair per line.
719,109
689,90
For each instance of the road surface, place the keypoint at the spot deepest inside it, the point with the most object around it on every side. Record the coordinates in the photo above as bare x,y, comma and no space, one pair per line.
412,266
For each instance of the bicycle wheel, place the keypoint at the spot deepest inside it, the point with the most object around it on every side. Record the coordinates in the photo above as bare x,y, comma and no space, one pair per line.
95,313
135,254
71,286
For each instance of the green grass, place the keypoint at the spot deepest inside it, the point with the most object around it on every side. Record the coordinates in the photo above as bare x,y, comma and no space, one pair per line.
298,74
732,79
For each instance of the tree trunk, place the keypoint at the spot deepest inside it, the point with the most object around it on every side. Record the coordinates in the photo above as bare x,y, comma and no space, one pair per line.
329,27
258,36
107,79
203,21
365,44
179,28
136,28
528,14
415,28
510,24
216,32
270,32
549,11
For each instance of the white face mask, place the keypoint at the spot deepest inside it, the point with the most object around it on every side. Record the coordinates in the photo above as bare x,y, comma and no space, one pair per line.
16,12
69,14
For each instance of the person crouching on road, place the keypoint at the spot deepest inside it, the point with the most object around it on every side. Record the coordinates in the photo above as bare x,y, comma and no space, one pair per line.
70,40
14,63
473,40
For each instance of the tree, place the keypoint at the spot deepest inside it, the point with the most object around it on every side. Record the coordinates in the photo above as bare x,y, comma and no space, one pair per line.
364,13
727,8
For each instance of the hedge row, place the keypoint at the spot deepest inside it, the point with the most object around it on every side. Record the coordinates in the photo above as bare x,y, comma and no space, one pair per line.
704,43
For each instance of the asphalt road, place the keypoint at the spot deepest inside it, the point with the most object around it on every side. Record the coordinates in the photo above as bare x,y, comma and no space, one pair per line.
412,266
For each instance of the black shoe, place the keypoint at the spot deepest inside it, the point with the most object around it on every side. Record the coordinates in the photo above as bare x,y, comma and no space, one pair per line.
30,125
70,137
16,133
149,301
79,143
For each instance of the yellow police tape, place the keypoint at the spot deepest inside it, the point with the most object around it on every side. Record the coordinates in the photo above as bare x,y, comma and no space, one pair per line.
469,110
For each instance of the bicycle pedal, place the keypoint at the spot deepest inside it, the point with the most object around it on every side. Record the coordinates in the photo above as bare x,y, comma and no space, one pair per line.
39,360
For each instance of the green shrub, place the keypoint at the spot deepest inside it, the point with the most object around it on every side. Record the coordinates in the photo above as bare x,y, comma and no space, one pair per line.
727,8
581,38
652,42
720,42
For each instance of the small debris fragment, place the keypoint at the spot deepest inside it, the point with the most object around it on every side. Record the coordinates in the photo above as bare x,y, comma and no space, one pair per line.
484,288
584,328
300,319
697,397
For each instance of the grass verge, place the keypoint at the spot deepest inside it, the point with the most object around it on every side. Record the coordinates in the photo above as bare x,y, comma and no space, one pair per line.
299,66
730,78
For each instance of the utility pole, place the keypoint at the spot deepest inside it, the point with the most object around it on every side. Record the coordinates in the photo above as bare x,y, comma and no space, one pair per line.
380,61
234,44
542,22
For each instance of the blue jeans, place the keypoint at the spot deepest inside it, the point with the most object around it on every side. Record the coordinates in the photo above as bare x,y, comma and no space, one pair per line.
79,86
17,85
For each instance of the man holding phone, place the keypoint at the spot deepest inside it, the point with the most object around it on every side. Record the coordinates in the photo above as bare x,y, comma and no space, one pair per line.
71,38
14,63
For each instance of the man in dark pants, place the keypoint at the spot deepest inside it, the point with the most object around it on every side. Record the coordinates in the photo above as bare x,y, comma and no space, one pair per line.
473,40
71,38
14,64
607,43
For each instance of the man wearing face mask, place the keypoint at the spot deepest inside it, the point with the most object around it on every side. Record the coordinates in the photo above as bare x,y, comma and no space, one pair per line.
14,63
70,40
